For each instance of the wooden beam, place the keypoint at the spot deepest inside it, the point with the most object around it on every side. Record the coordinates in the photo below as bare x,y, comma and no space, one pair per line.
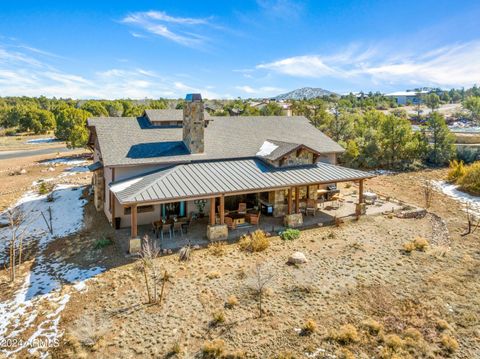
297,200
222,209
112,200
212,211
133,220
360,192
289,211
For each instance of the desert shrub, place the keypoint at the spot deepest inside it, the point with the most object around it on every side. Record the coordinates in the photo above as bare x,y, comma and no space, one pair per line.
175,349
408,247
238,354
413,334
254,242
290,234
232,301
309,327
456,170
442,325
372,326
218,317
345,335
44,188
449,343
420,243
10,132
393,341
213,274
467,154
102,243
470,181
285,355
217,249
213,349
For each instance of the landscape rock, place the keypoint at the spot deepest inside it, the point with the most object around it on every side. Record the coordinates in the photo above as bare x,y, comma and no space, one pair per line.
297,258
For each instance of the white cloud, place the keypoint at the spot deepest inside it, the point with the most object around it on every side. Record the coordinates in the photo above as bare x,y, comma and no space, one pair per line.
261,91
176,29
453,65
28,74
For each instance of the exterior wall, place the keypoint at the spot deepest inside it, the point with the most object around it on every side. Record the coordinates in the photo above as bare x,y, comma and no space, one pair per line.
328,158
142,218
278,200
107,172
98,189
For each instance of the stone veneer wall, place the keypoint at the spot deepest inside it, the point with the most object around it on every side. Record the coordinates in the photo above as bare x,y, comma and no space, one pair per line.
194,126
98,189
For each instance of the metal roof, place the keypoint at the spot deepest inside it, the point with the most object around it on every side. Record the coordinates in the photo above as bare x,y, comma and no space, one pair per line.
204,179
131,141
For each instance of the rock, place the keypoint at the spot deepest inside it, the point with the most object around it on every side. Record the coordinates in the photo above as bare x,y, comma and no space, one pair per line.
297,258
23,171
51,169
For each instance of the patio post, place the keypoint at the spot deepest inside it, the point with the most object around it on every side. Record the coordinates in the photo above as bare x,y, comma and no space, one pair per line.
212,211
360,192
289,200
297,200
222,209
133,220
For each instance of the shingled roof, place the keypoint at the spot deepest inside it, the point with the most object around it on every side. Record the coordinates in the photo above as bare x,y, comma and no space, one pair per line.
200,179
132,141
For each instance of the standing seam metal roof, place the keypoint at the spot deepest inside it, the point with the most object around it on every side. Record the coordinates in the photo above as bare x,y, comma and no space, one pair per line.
199,179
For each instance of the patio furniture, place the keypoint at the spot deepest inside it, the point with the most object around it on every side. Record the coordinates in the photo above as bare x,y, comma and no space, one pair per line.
185,223
166,228
177,227
253,218
229,222
311,207
237,218
242,208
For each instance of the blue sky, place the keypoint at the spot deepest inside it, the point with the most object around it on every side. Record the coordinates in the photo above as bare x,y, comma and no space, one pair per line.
225,49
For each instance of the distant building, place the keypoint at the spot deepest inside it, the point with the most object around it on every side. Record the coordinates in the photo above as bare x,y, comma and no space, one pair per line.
405,97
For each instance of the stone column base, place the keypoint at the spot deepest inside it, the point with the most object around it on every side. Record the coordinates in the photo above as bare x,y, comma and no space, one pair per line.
135,245
217,233
293,220
360,209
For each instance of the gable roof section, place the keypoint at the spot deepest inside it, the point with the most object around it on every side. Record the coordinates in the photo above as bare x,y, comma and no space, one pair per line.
203,179
280,149
225,138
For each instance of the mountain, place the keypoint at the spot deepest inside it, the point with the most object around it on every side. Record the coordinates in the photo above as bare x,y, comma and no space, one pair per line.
304,93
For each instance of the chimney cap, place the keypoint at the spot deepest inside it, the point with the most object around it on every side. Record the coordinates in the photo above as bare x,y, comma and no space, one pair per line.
193,97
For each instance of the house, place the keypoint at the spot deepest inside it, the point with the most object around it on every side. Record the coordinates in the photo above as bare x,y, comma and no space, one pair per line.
407,97
185,163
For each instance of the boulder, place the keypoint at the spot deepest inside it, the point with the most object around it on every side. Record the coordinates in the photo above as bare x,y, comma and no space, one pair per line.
297,258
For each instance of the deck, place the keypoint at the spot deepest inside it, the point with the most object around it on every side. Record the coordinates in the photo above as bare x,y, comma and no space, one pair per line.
196,235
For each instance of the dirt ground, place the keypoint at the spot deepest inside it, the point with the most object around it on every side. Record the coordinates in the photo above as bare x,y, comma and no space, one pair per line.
366,296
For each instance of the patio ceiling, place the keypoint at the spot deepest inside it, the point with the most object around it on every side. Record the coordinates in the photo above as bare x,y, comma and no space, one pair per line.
208,179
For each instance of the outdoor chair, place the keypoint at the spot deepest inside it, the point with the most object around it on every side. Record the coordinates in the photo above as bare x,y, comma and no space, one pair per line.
186,224
229,223
177,227
166,228
254,218
311,207
242,208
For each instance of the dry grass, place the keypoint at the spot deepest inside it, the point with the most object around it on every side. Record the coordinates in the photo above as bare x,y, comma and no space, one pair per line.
232,301
421,244
309,327
449,343
217,249
218,317
345,335
372,326
393,341
442,325
213,274
344,353
213,349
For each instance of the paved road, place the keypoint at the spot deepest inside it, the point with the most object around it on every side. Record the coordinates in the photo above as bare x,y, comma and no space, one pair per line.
9,155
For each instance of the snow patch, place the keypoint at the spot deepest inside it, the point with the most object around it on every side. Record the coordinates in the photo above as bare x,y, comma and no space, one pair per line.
65,161
42,140
267,148
452,191
124,185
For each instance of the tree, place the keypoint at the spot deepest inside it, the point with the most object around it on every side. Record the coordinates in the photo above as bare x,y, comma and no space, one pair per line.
432,100
95,108
339,126
71,126
395,134
261,279
472,105
37,121
441,148
18,227
114,108
272,109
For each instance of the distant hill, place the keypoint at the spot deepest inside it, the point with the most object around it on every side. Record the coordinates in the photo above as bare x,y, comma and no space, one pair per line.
304,93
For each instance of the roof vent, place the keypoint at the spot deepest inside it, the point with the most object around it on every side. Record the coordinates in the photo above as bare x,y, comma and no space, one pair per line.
193,97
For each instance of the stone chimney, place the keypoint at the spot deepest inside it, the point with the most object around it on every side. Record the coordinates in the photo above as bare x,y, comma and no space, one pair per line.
193,123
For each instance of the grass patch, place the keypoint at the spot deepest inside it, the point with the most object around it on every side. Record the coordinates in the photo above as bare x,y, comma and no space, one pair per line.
102,243
345,335
254,242
309,327
213,349
217,249
290,234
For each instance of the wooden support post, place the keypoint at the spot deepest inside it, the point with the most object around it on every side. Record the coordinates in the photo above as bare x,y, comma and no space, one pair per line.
360,191
297,199
212,211
112,200
290,201
222,209
133,220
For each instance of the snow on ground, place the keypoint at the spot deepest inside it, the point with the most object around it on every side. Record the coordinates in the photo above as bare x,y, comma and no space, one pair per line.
45,284
383,172
37,141
65,161
452,191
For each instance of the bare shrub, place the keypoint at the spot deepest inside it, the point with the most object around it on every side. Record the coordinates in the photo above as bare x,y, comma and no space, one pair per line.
408,247
449,343
420,243
213,349
442,325
184,253
232,301
372,326
427,193
259,282
218,317
393,341
89,329
254,242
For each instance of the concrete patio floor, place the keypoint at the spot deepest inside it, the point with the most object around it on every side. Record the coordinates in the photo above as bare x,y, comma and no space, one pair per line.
196,235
